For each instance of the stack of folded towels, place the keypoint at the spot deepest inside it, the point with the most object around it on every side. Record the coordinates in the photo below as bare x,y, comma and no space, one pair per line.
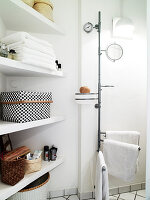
31,50
121,152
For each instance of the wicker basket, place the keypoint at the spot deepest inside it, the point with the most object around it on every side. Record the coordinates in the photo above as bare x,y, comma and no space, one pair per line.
43,1
12,171
45,9
33,165
35,191
29,2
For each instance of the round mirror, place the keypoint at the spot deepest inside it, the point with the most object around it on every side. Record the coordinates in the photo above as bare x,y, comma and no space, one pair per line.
114,52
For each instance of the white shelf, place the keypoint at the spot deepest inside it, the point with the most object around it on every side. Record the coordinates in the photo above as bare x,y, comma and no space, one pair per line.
86,98
6,191
10,67
10,127
18,16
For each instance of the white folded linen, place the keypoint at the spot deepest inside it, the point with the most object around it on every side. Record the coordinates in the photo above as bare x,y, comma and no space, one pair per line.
38,63
131,137
32,45
37,58
121,159
21,36
26,50
101,179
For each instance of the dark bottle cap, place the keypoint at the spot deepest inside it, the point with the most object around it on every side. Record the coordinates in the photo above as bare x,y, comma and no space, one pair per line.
53,148
46,148
12,51
56,62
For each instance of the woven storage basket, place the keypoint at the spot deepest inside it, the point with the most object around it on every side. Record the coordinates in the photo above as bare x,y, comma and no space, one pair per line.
29,2
43,1
35,191
12,171
45,9
24,106
33,165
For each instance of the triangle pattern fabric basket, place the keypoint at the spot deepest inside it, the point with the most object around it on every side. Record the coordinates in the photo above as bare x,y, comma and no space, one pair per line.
23,106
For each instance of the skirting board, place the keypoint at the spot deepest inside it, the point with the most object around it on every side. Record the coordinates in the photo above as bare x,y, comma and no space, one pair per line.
91,195
114,191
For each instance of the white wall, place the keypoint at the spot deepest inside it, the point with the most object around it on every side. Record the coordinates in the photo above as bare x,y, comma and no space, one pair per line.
123,107
2,78
148,109
64,134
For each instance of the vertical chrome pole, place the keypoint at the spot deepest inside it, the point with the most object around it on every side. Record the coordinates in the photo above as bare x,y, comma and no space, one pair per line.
99,80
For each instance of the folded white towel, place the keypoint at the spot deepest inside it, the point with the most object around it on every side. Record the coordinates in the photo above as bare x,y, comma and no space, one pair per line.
121,159
101,179
38,63
21,56
21,36
32,45
131,137
26,50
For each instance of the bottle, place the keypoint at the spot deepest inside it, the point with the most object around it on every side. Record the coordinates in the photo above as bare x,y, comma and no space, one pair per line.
53,152
4,51
46,153
12,54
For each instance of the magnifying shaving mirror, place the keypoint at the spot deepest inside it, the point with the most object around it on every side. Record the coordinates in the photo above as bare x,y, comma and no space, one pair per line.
114,52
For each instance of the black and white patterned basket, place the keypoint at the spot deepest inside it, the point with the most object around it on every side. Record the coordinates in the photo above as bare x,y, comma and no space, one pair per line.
23,106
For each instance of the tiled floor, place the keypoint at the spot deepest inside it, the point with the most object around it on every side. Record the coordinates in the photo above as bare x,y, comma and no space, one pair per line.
137,195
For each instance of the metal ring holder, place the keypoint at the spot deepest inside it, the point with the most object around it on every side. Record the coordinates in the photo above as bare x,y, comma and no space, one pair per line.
116,49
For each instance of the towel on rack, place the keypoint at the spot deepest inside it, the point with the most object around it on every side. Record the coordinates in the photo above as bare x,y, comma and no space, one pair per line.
21,36
32,45
121,159
131,137
101,179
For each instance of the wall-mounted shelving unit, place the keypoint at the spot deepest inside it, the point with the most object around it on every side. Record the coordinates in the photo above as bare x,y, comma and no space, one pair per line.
10,127
17,16
10,67
6,190
21,17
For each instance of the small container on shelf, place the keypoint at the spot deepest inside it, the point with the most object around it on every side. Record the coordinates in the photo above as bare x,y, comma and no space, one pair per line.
46,153
13,165
53,153
3,51
45,7
23,106
29,2
33,165
35,190
12,54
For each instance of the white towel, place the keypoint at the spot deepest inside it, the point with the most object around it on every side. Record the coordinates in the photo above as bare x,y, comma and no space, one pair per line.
26,50
22,56
101,179
38,63
121,159
32,45
21,36
131,137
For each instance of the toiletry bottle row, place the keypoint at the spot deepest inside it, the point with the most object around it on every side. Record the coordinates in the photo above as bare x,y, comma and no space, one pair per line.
50,154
